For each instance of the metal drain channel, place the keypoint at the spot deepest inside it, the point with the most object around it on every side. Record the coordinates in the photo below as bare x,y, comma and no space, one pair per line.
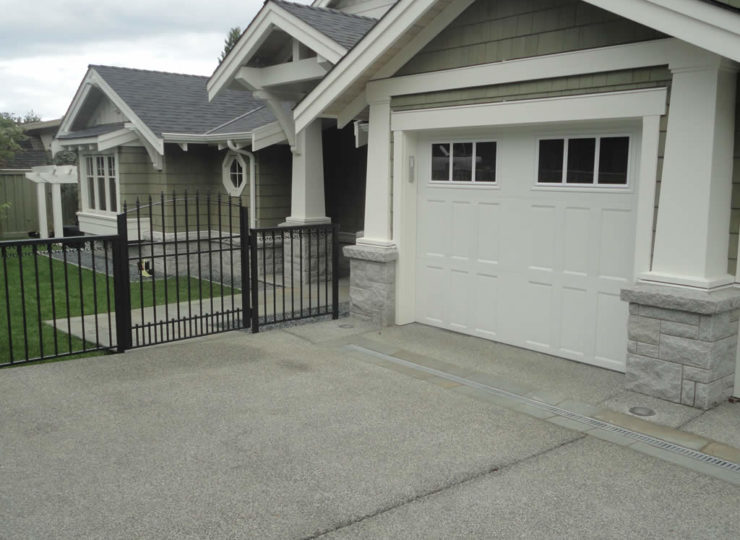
606,426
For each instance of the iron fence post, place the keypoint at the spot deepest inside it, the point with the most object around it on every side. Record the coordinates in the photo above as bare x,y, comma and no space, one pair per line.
244,253
122,286
254,282
335,271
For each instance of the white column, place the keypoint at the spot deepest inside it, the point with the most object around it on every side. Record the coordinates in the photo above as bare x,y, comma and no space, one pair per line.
56,208
307,204
378,200
692,234
41,199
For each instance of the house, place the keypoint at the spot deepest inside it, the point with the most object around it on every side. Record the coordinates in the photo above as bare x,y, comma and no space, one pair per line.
21,217
552,174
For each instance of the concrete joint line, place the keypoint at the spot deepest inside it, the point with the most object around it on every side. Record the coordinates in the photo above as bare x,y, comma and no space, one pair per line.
727,470
455,483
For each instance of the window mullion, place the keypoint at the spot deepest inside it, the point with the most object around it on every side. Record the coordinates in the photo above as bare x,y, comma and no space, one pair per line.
564,176
597,156
472,168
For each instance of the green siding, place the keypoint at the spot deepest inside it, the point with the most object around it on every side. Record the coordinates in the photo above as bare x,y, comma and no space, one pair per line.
273,185
345,169
22,215
562,86
507,29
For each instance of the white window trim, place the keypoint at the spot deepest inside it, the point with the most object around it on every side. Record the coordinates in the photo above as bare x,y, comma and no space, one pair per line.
231,189
464,183
84,184
594,185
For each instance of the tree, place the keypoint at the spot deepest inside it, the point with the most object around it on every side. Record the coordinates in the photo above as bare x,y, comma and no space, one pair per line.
11,136
231,40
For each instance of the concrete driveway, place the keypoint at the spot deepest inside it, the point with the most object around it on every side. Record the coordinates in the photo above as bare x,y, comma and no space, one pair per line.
289,434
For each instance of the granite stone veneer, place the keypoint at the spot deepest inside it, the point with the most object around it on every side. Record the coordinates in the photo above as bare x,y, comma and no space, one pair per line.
682,343
372,283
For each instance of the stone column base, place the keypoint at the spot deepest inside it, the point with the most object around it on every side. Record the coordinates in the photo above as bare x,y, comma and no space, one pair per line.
682,343
372,283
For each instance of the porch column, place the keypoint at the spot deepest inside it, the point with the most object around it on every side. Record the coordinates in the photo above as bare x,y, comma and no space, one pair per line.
307,206
56,208
692,234
41,200
373,260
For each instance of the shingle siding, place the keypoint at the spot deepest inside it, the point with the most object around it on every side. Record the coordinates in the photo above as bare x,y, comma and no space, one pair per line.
509,29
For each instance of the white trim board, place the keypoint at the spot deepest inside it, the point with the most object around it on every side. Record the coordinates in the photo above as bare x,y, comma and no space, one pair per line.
699,23
629,104
603,59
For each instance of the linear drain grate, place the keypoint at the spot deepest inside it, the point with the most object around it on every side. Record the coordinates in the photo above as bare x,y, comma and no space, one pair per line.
587,420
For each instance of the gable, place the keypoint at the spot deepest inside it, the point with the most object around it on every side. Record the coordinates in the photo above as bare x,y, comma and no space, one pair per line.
509,29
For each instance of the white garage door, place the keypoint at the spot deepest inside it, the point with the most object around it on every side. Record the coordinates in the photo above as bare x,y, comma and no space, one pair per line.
527,239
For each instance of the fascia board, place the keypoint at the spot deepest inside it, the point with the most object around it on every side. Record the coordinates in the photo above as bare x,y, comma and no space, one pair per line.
267,135
78,142
270,17
611,106
77,101
205,138
116,138
612,58
706,26
140,126
382,36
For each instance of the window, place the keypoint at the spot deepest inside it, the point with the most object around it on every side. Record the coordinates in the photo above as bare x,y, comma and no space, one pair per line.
235,174
101,183
583,161
464,162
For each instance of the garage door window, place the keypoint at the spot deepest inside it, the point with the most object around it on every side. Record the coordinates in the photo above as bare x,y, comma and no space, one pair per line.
583,160
464,162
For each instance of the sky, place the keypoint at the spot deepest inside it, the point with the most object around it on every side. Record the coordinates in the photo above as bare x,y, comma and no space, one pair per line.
46,45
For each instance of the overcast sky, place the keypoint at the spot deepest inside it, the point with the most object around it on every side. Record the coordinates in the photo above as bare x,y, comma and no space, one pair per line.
46,45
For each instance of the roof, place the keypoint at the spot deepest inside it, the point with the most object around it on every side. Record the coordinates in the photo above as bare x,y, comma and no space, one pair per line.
174,102
344,28
30,155
42,125
94,131
245,123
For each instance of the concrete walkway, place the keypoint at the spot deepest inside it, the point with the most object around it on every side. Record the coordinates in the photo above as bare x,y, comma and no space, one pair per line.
320,431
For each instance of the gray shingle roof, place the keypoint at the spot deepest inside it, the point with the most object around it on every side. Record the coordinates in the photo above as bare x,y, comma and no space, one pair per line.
245,123
175,103
344,28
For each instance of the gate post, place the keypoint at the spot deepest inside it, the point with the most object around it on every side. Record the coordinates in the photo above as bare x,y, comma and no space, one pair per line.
254,281
244,253
335,271
122,285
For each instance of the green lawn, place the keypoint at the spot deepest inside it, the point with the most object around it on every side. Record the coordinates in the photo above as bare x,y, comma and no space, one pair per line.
76,291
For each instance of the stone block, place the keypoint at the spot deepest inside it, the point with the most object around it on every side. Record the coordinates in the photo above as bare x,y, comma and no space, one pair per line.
644,330
718,326
723,365
672,315
670,328
645,349
653,377
688,390
735,315
712,394
632,346
686,351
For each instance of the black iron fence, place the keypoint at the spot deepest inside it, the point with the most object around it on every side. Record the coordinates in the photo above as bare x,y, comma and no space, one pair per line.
178,267
58,297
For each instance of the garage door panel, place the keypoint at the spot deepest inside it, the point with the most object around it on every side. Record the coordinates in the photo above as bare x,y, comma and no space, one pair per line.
432,297
538,322
460,230
574,322
576,244
541,228
611,330
486,304
616,244
458,306
436,232
487,233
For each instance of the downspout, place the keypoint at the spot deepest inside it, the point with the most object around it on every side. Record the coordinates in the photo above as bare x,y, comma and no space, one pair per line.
252,182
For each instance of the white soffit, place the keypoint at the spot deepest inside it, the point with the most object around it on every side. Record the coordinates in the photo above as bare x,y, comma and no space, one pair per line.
616,105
